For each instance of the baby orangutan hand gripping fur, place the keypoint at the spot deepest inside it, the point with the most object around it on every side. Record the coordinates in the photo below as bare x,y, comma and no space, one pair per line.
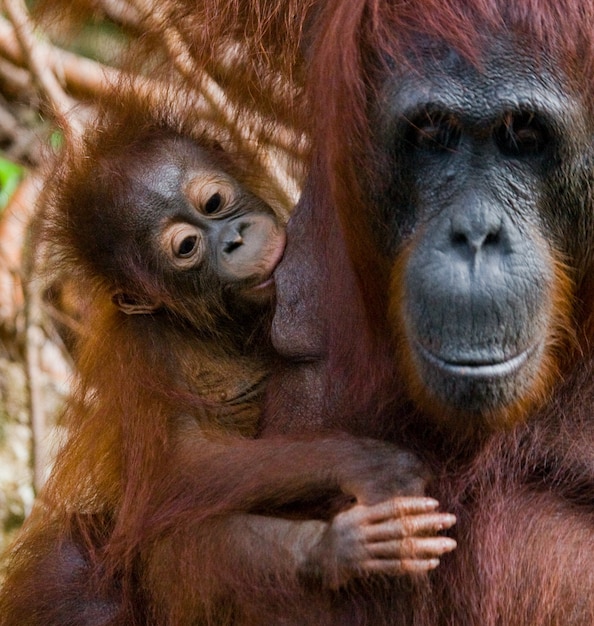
164,507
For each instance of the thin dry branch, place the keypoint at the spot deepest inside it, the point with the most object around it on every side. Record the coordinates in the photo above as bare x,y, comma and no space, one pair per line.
82,77
50,89
242,128
16,81
153,15
89,80
122,13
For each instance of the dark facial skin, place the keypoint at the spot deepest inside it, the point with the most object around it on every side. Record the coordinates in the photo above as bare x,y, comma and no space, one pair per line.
475,157
481,195
194,224
230,231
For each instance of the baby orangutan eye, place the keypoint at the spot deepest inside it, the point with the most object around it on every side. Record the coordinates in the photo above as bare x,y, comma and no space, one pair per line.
212,197
213,204
184,244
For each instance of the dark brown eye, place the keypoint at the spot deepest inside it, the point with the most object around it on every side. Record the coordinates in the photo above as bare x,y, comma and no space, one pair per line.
521,134
434,132
187,246
184,244
212,195
213,204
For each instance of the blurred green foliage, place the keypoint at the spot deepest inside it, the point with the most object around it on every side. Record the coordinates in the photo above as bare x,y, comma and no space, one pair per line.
10,177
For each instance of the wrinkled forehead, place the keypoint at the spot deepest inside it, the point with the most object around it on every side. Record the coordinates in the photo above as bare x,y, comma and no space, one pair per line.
506,76
169,166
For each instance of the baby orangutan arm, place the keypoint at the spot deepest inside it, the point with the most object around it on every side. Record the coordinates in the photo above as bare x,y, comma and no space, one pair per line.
260,560
236,529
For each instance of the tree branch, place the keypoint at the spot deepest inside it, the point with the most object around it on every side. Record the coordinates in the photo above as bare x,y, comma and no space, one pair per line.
43,73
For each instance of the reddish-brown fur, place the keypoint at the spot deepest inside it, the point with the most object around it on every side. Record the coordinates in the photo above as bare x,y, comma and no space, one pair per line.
523,496
161,479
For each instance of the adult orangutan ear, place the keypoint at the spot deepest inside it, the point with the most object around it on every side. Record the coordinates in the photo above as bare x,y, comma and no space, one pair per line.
134,305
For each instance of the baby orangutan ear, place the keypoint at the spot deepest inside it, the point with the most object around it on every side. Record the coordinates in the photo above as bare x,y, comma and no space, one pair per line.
134,304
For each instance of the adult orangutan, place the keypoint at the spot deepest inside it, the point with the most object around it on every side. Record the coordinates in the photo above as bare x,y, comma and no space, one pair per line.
163,508
453,169
436,289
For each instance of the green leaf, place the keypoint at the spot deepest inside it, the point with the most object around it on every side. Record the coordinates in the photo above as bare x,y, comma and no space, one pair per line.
10,177
56,140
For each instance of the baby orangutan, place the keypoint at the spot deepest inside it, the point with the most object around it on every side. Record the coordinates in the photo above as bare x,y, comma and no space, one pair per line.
164,507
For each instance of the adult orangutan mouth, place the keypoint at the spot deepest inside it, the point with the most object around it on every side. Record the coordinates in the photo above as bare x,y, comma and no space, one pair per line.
475,368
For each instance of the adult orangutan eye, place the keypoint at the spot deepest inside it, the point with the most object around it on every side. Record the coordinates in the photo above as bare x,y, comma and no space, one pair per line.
433,131
521,134
184,244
